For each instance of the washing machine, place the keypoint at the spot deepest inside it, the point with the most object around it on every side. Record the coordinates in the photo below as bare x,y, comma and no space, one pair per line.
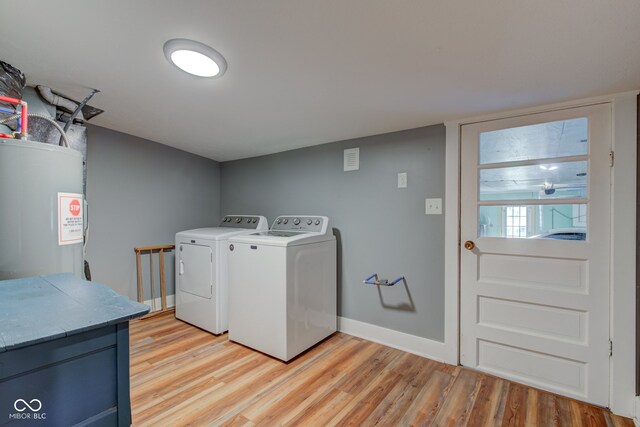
283,286
201,271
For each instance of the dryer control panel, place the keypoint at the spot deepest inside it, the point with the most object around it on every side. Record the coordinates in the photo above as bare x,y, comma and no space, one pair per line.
241,221
317,224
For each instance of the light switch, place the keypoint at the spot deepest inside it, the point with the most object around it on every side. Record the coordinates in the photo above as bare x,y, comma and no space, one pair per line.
402,180
433,206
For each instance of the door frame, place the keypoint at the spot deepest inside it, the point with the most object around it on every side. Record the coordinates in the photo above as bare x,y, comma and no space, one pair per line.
623,249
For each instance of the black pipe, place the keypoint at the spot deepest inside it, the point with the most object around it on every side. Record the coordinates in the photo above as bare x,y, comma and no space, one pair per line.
78,109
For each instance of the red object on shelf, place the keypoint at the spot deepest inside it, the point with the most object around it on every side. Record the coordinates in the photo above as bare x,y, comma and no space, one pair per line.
4,135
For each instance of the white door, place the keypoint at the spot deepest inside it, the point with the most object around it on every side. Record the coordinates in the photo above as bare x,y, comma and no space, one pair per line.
195,270
535,208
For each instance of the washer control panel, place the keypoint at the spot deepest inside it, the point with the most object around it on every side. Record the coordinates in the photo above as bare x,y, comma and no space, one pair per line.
240,221
299,223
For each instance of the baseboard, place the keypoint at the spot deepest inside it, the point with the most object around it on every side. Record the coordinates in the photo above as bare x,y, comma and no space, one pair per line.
424,347
171,302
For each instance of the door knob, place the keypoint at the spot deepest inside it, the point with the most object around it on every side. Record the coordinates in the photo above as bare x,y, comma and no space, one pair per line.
469,245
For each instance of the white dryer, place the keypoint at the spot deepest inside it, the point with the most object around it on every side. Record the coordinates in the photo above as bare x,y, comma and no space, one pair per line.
283,286
201,271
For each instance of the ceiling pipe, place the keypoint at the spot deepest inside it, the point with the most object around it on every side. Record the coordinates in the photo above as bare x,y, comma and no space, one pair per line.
57,100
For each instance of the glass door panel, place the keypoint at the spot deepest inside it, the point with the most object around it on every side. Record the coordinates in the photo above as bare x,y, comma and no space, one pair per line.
563,138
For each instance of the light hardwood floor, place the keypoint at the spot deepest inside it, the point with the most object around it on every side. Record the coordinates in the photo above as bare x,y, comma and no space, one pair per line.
181,375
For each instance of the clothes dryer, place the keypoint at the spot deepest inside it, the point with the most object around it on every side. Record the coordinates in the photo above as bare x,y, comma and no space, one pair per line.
201,271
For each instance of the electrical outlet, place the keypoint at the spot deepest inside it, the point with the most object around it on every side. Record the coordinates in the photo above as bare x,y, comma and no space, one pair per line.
402,180
433,206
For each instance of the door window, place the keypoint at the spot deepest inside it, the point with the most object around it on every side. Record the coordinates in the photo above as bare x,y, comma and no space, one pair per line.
533,181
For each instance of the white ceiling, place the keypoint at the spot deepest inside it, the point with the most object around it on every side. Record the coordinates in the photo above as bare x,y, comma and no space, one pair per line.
305,72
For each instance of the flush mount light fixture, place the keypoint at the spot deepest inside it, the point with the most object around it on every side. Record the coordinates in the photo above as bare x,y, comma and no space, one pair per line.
195,58
548,168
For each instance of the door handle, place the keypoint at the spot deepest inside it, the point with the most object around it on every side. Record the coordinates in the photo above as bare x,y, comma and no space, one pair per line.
469,245
181,271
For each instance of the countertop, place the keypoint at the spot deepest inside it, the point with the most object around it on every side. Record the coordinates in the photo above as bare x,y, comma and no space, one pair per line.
43,308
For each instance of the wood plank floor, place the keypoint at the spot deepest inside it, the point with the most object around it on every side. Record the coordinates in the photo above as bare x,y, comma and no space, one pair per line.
181,375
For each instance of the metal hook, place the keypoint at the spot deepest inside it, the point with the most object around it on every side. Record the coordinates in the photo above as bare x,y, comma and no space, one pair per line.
373,280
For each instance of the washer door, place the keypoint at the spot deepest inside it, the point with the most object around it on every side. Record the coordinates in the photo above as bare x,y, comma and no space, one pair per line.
195,270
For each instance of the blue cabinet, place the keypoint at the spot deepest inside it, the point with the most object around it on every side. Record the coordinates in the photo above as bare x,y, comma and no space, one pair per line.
64,352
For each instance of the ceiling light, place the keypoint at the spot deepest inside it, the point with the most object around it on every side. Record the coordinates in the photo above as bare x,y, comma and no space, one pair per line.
548,168
195,58
548,188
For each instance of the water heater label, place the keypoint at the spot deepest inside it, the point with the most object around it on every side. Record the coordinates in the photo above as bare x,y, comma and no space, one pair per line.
70,218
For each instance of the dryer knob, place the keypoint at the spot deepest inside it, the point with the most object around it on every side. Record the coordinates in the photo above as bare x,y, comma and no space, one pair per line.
278,221
317,222
238,220
309,222
296,221
285,220
248,220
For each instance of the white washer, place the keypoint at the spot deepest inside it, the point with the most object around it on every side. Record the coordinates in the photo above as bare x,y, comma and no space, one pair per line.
201,271
283,287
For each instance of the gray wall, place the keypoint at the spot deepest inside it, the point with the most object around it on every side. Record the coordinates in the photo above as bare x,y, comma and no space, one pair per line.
380,227
141,193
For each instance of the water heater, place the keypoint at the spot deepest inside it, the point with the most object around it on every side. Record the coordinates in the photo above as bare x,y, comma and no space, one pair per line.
41,209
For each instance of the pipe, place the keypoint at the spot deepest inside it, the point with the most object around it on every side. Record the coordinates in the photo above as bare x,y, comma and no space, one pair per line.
43,117
11,112
57,100
79,108
24,112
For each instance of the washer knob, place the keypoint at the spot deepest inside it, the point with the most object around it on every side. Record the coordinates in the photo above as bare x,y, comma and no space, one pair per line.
309,222
285,220
296,221
238,220
317,222
278,221
254,220
248,220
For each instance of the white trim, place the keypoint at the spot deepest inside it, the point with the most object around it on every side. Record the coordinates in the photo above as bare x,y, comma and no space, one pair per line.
452,246
622,399
623,255
410,343
171,302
